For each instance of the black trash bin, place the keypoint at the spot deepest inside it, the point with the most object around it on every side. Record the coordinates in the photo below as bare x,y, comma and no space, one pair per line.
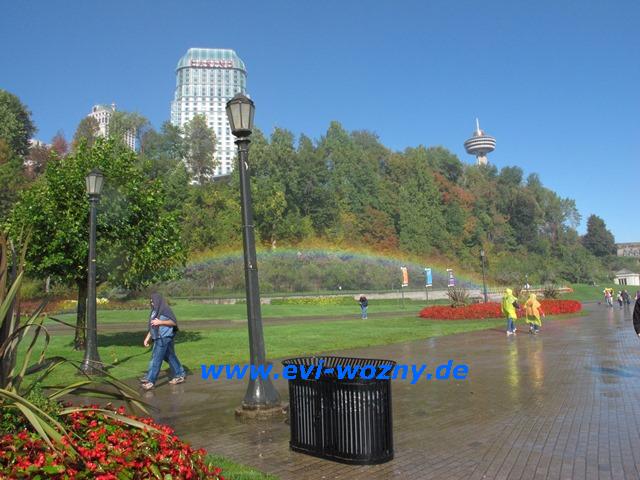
347,421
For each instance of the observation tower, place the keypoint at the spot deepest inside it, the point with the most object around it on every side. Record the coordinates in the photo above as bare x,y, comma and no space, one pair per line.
480,144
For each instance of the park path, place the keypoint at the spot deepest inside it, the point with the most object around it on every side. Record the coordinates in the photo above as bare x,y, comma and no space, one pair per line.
561,405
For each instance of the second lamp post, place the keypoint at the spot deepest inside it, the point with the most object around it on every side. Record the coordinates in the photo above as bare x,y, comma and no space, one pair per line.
484,281
91,363
261,394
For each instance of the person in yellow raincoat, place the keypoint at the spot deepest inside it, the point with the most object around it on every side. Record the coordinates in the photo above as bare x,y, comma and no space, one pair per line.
509,307
533,311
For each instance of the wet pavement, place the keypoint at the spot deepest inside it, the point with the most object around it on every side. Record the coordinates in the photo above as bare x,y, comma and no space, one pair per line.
563,404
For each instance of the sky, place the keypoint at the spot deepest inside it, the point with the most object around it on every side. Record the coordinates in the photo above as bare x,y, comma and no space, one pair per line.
557,83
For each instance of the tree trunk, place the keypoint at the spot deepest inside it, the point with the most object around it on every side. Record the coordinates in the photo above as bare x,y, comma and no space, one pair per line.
81,320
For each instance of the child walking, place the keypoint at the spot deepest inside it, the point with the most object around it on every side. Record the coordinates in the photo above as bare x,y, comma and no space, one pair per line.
533,311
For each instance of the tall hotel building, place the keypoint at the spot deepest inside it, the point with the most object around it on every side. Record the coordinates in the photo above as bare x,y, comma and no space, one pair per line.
206,79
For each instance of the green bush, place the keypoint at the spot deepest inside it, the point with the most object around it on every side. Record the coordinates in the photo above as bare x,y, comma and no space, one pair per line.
550,291
32,289
459,296
313,301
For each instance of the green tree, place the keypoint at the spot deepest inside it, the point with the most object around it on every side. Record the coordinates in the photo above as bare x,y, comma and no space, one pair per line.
211,217
122,123
312,192
162,154
138,242
421,222
88,131
164,149
598,240
16,126
200,148
12,180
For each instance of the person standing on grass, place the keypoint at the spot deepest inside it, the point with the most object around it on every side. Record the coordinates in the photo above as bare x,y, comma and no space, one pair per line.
163,326
509,307
364,303
533,311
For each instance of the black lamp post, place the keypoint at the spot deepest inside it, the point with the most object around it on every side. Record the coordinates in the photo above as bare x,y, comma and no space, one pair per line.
91,363
261,393
484,281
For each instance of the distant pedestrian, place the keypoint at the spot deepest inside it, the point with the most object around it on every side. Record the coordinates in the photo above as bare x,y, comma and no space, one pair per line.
533,311
608,297
625,297
620,301
364,303
163,326
509,307
637,295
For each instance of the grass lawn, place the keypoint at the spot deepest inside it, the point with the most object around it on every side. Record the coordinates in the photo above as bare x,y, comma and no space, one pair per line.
129,358
186,310
591,293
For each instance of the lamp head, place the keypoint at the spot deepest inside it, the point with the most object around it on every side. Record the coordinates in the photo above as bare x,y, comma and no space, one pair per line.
94,180
240,111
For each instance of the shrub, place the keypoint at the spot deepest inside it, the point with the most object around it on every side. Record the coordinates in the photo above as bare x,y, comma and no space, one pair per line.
313,301
459,296
493,310
32,289
550,291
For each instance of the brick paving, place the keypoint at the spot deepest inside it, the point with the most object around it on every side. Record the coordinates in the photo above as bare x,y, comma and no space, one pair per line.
561,405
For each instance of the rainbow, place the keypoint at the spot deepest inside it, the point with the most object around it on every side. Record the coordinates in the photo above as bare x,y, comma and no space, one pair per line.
316,250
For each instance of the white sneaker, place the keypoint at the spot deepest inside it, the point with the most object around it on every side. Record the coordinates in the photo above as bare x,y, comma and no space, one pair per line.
509,333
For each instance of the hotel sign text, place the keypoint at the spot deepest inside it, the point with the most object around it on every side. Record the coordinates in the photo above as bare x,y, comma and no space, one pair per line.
212,63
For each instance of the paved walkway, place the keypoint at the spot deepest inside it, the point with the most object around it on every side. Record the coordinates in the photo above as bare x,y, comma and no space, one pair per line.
561,405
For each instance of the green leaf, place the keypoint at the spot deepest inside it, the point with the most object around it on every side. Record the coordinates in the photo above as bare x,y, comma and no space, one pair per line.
54,468
156,471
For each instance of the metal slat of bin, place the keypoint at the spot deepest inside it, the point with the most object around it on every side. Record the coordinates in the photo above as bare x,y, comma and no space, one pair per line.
343,420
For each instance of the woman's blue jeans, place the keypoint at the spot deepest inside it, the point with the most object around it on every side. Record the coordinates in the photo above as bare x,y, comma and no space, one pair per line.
163,350
364,311
510,325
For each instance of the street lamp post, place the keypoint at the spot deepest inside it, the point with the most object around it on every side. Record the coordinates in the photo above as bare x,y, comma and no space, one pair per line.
91,363
484,281
261,394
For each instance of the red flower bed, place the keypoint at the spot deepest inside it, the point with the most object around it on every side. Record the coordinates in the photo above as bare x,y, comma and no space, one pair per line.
493,310
109,450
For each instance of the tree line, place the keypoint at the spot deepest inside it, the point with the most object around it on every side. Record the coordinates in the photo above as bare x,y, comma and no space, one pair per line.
161,202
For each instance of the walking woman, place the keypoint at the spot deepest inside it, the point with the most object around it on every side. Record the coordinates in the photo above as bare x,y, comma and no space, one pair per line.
533,311
162,329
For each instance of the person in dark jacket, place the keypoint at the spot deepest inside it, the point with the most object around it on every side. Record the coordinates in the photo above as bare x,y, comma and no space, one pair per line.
364,303
163,326
636,317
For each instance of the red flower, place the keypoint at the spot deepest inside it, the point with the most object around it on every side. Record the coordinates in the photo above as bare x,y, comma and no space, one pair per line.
493,310
106,448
